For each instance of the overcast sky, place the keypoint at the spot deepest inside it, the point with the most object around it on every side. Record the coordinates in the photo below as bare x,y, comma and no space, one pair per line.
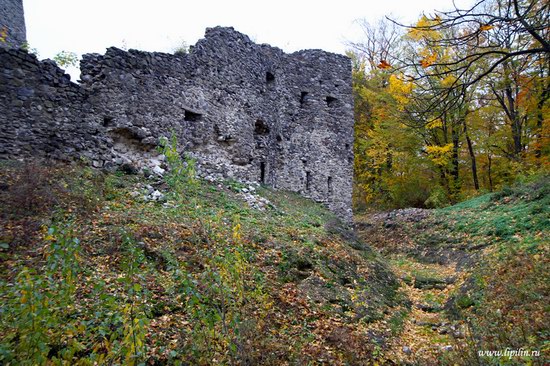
84,26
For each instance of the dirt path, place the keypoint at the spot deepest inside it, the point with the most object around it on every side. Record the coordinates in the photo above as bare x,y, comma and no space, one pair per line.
428,273
426,333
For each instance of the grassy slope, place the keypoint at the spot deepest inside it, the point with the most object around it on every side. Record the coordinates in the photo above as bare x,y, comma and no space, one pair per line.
506,296
202,279
477,274
206,279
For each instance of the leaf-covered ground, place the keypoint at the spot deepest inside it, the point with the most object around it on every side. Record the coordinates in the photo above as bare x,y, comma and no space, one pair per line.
95,272
97,268
476,274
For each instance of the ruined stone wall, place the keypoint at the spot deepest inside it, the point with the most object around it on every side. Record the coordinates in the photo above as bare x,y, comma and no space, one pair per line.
42,113
12,24
244,111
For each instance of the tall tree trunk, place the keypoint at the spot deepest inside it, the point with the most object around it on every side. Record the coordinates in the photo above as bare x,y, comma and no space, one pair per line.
444,181
540,118
489,172
455,136
508,101
472,156
515,120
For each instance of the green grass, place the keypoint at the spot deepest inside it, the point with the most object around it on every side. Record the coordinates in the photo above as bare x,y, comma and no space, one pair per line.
521,210
213,279
504,300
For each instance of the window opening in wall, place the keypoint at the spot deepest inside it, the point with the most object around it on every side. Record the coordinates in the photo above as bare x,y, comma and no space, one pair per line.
303,98
331,101
269,77
261,128
192,116
308,181
329,186
262,172
279,138
107,121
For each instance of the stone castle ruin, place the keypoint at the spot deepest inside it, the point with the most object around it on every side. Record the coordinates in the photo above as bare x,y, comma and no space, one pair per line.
13,32
244,111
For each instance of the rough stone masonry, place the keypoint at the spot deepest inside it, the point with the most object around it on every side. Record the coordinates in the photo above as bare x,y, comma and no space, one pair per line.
244,111
12,24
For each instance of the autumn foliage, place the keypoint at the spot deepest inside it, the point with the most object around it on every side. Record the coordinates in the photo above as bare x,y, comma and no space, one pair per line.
462,109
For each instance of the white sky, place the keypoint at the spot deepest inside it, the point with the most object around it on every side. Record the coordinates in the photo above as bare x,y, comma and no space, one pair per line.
84,26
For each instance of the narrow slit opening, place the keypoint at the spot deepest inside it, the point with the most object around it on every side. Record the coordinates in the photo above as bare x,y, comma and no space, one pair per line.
303,98
262,172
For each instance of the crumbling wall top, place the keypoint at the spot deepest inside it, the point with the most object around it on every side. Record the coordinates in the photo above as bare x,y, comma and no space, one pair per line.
244,111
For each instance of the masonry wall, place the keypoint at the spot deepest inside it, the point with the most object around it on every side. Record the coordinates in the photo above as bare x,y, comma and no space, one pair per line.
244,111
12,24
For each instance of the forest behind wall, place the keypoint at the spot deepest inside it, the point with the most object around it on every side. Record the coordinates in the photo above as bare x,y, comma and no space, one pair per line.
452,106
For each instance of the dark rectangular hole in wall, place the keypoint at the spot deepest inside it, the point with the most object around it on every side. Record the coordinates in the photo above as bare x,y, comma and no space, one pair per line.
269,77
262,172
331,101
261,128
107,121
329,186
308,181
303,98
192,116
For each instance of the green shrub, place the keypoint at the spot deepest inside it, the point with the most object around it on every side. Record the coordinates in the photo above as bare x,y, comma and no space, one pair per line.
438,198
181,176
35,307
218,302
409,192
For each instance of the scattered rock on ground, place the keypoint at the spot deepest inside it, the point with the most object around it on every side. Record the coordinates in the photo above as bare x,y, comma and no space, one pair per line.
255,201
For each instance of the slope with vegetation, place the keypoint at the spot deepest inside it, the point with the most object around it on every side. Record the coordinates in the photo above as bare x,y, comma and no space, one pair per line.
447,110
97,268
476,274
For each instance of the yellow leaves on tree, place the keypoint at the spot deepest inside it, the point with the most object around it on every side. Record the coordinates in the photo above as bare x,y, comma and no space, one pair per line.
486,27
436,123
400,90
424,29
378,156
440,155
429,56
448,81
428,60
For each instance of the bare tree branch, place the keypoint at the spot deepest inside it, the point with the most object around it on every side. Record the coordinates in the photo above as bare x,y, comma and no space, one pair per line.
476,42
